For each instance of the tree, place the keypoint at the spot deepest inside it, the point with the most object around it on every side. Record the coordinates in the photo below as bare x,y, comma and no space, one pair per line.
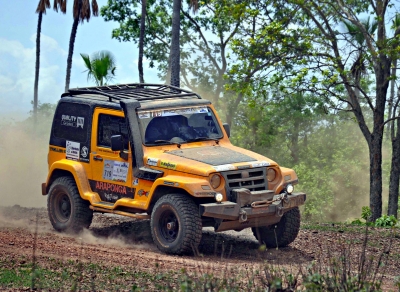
393,204
40,10
141,40
81,12
204,39
357,39
396,28
175,62
321,18
101,67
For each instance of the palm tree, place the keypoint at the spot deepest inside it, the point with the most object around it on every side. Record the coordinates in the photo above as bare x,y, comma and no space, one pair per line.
358,69
81,12
40,10
141,41
174,57
101,68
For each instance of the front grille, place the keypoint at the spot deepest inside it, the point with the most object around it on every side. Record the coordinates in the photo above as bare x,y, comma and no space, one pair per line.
253,179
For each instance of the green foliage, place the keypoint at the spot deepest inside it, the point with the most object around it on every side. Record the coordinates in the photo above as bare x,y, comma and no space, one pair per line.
386,221
101,67
366,212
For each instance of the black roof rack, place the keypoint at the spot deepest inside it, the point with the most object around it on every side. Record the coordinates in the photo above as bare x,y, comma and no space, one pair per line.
137,91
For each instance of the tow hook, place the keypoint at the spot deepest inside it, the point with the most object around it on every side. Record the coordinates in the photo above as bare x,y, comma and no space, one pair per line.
279,211
242,216
285,198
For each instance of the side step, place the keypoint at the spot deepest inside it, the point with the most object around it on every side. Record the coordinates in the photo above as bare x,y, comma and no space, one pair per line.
122,213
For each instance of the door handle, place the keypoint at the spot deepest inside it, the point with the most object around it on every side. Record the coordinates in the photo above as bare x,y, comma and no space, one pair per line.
98,158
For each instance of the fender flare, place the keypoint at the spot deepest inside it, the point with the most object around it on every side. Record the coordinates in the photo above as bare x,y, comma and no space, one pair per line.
78,172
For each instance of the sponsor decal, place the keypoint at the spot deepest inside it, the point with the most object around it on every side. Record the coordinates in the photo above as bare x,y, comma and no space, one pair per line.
143,193
203,110
80,122
172,112
152,161
260,164
109,187
72,150
224,167
144,115
115,170
84,152
169,183
167,165
111,192
135,181
54,149
111,197
72,121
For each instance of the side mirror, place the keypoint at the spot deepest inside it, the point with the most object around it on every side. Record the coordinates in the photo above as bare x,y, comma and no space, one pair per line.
227,129
117,143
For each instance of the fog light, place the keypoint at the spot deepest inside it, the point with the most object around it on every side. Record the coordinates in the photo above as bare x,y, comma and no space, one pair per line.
218,197
289,188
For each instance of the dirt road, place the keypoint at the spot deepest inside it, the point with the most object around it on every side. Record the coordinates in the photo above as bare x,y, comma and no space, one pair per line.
123,242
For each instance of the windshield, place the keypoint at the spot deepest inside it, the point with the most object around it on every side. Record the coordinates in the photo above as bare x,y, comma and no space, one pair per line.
171,126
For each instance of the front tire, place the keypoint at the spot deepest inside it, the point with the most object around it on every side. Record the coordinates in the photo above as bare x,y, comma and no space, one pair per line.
176,224
67,210
282,233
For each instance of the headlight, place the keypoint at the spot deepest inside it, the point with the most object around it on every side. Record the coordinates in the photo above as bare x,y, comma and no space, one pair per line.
218,197
215,181
271,174
289,188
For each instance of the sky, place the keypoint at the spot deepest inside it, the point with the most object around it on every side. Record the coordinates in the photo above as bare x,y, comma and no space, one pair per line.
18,25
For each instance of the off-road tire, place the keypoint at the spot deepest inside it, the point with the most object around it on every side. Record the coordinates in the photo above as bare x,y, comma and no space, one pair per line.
68,212
282,233
176,224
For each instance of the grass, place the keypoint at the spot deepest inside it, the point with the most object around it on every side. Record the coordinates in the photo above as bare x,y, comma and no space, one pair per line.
67,275
331,272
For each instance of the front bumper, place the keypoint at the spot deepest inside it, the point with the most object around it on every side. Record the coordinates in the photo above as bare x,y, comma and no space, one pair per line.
235,215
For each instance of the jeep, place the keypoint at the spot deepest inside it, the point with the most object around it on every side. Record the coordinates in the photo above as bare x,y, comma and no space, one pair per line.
159,152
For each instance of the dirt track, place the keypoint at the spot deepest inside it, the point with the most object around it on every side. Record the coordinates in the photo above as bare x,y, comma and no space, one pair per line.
119,241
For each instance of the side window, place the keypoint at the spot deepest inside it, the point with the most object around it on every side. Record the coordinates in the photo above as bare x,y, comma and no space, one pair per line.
109,126
71,122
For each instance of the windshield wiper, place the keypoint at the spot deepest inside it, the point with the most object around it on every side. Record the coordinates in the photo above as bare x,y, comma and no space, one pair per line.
203,138
167,141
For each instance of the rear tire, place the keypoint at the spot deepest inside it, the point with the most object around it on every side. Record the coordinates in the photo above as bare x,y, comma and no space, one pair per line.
282,233
176,224
67,210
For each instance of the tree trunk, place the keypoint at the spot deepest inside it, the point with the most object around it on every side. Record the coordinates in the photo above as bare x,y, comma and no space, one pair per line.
393,204
175,47
71,46
382,74
375,171
390,125
37,68
141,41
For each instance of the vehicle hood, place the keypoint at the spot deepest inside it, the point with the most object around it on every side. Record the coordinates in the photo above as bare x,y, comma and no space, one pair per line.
205,160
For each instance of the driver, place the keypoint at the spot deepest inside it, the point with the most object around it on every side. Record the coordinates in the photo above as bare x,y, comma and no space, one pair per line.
158,129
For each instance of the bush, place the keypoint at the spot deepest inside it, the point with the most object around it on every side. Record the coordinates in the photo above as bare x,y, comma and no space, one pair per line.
386,221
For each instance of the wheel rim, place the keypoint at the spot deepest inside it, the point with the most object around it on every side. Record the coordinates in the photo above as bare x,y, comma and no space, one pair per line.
168,226
62,207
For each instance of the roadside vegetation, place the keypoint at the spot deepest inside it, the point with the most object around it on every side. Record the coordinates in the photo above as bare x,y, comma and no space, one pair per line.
358,263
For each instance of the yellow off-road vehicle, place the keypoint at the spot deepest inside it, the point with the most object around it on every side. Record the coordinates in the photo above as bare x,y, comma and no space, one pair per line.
158,152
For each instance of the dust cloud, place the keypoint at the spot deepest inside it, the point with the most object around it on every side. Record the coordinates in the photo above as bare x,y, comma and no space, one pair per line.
23,165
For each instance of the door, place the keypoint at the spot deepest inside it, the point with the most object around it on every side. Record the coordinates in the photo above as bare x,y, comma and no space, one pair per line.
111,175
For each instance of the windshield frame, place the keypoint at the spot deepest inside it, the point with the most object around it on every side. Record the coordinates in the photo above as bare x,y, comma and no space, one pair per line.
146,116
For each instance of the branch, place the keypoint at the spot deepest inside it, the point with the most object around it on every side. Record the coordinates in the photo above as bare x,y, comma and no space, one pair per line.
194,22
388,120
